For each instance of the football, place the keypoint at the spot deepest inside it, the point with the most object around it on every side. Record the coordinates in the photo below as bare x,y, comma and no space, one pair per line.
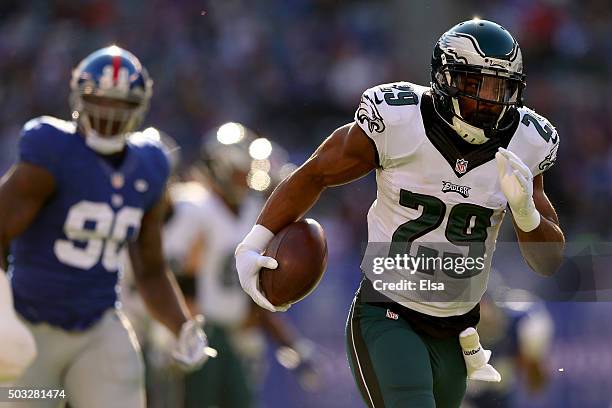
301,251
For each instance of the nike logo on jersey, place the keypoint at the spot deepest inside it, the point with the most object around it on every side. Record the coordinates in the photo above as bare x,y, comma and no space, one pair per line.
447,186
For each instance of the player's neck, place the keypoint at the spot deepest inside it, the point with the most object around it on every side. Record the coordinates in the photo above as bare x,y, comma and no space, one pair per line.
115,159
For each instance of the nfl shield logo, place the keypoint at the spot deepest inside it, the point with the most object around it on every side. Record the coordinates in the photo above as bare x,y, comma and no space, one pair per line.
461,166
117,180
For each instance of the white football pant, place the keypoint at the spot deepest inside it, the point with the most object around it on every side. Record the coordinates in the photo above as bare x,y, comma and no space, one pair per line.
17,346
98,368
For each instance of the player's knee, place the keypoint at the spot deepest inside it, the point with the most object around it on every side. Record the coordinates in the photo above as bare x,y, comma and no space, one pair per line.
450,386
411,392
17,350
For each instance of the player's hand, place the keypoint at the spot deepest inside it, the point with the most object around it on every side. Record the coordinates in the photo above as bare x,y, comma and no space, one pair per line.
301,360
516,183
249,260
191,350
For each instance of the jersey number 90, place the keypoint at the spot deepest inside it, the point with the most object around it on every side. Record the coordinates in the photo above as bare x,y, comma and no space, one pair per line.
96,234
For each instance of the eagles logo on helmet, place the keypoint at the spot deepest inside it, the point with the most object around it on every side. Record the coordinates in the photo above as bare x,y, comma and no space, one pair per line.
477,79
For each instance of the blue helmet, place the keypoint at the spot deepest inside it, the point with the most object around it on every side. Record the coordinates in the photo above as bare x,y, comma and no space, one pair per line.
110,92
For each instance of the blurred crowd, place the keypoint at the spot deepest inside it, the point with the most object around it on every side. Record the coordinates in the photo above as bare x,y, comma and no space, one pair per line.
294,70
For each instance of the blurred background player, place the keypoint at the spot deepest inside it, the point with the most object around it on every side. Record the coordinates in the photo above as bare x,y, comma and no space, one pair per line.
518,329
204,222
236,164
81,194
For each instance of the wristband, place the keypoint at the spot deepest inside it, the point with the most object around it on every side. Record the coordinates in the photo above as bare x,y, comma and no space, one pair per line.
257,239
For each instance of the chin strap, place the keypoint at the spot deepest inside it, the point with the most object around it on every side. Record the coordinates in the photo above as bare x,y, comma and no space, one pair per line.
101,144
469,133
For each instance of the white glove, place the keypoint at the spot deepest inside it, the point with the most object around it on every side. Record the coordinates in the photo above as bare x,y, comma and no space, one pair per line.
476,358
249,260
191,350
516,183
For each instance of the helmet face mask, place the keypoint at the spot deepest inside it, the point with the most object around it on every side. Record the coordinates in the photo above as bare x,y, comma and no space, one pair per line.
477,79
110,94
108,117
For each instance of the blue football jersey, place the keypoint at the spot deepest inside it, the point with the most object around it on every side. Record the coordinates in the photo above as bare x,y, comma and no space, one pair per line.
64,266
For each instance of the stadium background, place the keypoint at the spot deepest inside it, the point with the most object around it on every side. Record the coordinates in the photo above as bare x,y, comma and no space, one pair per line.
294,70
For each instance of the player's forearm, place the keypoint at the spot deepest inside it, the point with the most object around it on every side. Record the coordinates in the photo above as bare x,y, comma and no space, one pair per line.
291,200
346,155
278,329
163,299
3,254
542,247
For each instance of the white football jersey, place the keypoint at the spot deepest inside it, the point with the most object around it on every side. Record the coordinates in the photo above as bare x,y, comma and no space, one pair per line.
220,296
187,223
438,196
200,214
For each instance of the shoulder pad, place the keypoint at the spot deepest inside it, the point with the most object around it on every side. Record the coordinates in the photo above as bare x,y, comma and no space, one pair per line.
142,139
44,140
387,106
49,122
538,141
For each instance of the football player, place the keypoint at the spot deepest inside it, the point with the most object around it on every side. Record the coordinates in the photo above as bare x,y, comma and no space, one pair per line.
519,329
448,158
236,165
80,195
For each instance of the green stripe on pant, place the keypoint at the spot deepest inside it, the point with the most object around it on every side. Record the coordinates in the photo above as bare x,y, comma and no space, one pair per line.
395,367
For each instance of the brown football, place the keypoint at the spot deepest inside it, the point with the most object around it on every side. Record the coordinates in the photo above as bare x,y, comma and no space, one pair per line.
301,251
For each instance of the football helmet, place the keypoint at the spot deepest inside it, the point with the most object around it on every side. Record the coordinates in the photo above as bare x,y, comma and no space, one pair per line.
110,93
477,79
236,159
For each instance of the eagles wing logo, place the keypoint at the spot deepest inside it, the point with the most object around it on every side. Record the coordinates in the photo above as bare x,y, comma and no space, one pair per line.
550,159
368,112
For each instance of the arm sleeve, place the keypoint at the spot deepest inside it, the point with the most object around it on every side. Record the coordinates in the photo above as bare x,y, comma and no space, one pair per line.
547,135
368,117
549,158
160,169
40,145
